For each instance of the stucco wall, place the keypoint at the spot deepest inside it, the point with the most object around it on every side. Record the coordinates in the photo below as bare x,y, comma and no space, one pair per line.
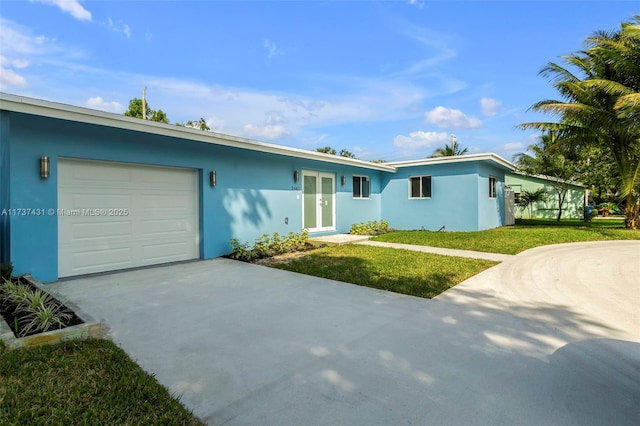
453,203
255,191
572,208
459,198
491,211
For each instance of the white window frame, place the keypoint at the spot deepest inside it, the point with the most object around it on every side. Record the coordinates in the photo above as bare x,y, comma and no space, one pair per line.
411,197
361,177
492,187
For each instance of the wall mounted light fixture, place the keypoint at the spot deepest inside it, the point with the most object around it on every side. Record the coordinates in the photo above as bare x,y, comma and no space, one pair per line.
44,167
213,179
343,180
295,176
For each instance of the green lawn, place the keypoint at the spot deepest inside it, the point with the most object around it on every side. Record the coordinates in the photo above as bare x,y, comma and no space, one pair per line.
400,271
524,235
88,382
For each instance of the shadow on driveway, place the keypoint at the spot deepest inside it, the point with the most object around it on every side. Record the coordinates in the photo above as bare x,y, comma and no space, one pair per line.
246,344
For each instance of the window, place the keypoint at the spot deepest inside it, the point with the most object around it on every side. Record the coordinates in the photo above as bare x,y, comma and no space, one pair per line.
361,187
492,187
420,187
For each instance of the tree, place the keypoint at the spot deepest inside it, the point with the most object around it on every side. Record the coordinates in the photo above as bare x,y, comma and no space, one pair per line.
327,150
135,110
600,105
449,150
548,159
345,153
342,153
528,198
597,170
200,124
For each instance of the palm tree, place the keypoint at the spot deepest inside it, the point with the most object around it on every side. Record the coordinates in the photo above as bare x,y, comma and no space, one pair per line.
601,106
548,158
449,150
528,198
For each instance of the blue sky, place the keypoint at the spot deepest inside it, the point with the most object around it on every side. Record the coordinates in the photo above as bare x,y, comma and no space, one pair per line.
389,80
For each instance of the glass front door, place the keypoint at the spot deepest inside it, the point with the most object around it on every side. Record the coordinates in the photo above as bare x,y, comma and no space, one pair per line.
318,206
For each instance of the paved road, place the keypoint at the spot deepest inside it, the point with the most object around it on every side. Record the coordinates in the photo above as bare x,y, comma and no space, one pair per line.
551,336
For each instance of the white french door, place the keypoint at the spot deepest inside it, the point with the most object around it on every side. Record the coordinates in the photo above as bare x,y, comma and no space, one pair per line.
319,201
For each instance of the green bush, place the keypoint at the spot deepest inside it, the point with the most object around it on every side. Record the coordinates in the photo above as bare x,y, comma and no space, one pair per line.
370,228
269,245
6,269
34,310
612,208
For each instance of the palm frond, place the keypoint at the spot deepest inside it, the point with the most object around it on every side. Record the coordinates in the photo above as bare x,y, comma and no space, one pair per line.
612,88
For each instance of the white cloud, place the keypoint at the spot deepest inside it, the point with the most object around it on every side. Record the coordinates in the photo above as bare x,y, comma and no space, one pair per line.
447,118
13,63
513,146
119,28
490,106
272,129
420,139
272,48
417,3
435,44
98,103
73,7
269,131
9,79
216,124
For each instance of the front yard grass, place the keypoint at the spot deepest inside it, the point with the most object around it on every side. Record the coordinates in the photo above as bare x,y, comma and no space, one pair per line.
87,382
524,235
401,271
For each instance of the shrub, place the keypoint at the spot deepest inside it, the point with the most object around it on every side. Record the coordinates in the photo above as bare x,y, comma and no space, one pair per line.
12,292
6,269
43,317
33,310
370,228
610,208
269,245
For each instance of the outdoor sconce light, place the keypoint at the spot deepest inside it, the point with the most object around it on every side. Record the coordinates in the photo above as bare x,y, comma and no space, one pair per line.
343,180
212,178
295,176
44,167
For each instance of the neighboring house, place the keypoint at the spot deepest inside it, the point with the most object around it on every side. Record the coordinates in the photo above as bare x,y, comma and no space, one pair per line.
84,191
572,208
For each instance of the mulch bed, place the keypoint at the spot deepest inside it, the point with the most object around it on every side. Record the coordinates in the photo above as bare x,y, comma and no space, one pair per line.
7,310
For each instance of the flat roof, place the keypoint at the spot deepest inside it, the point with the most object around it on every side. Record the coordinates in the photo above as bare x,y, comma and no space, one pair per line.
551,178
39,107
44,108
456,159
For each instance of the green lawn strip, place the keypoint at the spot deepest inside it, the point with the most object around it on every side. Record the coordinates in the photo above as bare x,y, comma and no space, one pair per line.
82,382
400,271
515,239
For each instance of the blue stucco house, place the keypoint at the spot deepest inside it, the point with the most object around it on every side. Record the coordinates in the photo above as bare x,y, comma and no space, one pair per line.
84,191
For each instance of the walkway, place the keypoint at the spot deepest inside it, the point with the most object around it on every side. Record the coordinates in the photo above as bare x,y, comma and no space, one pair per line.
364,240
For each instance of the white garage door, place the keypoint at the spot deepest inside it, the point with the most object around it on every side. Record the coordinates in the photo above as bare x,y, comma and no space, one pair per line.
115,216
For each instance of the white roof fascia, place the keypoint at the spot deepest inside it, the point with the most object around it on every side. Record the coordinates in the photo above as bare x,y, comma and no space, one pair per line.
456,159
50,109
555,179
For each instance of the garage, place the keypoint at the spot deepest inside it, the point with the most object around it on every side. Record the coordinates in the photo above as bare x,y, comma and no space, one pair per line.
117,215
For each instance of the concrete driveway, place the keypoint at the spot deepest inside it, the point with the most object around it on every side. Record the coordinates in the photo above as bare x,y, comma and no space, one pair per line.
551,336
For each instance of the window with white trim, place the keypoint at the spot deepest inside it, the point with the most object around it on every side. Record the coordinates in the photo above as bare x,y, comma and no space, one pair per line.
361,187
492,187
420,187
